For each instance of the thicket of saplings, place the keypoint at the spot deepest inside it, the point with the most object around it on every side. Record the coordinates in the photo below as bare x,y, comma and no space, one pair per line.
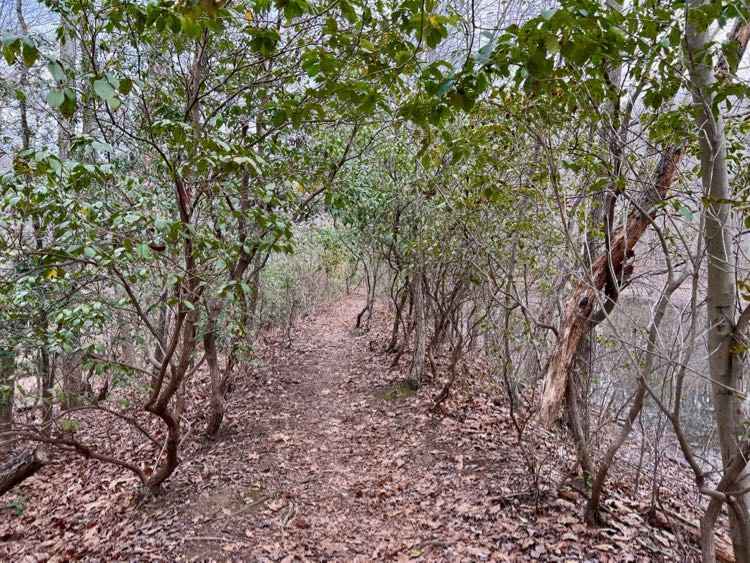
91,398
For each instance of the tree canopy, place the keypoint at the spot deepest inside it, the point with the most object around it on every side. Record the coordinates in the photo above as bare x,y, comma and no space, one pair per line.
549,194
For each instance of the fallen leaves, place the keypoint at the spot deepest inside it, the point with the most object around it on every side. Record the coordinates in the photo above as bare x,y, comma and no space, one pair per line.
301,523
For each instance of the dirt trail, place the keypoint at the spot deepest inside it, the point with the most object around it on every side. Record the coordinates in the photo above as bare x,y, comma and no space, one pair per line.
340,463
328,449
322,458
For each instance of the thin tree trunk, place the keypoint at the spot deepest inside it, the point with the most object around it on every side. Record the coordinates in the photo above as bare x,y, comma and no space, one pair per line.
184,331
72,382
725,363
452,370
371,296
368,283
217,388
65,133
7,353
408,329
601,216
592,507
400,302
7,387
161,328
581,303
66,125
417,364
577,421
88,66
718,497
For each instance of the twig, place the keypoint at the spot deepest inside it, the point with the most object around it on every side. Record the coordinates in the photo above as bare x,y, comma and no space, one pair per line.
288,515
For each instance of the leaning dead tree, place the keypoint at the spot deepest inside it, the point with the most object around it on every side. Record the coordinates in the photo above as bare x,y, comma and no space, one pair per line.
598,283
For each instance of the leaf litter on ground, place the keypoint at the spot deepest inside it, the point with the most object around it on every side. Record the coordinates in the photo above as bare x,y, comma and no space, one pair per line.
318,460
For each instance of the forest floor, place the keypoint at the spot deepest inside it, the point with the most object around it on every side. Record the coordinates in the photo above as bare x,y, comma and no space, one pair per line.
323,456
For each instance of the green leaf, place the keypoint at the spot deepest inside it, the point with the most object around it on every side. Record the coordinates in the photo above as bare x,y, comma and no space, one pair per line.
104,147
104,89
126,85
55,98
264,41
30,54
367,105
348,12
68,108
143,250
55,165
551,44
56,70
293,8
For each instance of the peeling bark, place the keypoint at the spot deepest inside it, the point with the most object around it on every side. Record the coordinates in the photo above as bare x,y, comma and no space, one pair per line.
581,304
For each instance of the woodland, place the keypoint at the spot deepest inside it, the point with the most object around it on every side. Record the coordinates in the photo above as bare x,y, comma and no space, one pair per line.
374,280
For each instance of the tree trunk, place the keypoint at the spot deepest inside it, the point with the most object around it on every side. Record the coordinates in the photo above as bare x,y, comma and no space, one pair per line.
368,284
217,388
582,300
601,217
399,302
417,363
581,304
161,328
65,133
88,66
710,552
452,369
578,421
725,363
72,381
7,388
66,125
592,507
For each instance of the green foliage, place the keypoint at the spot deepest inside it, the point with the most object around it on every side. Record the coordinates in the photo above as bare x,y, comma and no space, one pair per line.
195,141
302,282
18,506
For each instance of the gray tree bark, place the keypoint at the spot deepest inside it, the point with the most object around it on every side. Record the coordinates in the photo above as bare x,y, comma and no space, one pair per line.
725,363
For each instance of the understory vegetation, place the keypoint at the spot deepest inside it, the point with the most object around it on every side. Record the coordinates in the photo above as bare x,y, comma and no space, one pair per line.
550,199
